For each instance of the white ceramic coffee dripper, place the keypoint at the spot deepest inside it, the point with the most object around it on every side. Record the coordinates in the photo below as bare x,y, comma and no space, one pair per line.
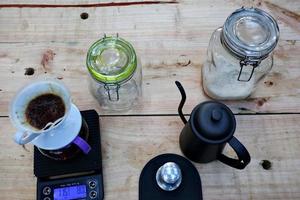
54,135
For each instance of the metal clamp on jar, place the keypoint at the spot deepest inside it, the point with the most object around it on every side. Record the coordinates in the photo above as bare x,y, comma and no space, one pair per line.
239,54
116,73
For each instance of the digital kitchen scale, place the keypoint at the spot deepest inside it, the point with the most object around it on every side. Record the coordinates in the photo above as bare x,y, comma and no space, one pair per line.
79,178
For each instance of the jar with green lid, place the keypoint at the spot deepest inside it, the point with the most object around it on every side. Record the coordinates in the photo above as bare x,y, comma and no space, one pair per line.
116,73
240,54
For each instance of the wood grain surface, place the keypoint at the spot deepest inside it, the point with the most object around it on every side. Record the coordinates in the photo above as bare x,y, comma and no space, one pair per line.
278,92
129,142
171,38
82,3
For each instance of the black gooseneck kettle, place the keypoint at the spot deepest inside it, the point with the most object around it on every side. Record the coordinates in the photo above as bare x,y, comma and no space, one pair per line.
203,138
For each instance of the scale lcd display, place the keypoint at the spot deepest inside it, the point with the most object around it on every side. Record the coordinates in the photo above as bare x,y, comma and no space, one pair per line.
68,193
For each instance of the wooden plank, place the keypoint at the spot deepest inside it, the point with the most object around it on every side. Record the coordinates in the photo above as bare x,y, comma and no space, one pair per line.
164,61
170,39
169,21
63,2
84,5
288,4
145,22
129,142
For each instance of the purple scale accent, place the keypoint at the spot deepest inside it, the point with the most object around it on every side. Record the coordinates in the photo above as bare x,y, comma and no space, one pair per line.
82,144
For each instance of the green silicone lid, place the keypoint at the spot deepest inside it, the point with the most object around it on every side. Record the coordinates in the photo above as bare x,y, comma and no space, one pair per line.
111,60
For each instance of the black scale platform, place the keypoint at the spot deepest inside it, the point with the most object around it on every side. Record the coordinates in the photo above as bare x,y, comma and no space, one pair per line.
190,188
45,167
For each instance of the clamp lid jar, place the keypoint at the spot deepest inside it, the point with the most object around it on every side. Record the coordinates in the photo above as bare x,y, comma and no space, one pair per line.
116,75
239,54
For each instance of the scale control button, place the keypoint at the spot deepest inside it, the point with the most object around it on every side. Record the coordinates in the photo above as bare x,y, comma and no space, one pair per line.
93,194
92,184
47,198
47,191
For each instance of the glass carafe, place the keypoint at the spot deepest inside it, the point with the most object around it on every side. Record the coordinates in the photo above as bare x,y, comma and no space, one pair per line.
116,73
240,54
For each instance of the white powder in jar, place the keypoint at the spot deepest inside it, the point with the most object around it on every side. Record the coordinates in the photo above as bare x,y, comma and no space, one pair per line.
222,83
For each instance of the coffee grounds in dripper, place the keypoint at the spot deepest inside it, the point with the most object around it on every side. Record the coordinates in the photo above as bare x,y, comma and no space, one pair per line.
44,109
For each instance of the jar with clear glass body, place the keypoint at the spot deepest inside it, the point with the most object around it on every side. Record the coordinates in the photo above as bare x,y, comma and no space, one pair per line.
115,73
239,54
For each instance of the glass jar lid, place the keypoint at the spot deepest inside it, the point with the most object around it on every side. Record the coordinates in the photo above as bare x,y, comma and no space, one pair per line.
111,60
250,33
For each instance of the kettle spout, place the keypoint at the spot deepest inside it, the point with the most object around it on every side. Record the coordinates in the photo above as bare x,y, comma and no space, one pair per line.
183,98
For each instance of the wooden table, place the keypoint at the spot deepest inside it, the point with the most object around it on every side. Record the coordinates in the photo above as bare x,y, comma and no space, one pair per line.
171,38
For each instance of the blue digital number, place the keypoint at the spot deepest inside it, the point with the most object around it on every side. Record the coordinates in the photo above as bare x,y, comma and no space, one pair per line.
68,193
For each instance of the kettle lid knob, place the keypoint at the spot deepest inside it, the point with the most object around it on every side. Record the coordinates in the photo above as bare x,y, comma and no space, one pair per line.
216,115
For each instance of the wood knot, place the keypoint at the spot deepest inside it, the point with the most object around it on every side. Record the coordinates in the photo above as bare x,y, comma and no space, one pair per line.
84,15
261,101
291,42
3,55
269,83
259,3
29,71
266,164
183,61
244,109
48,56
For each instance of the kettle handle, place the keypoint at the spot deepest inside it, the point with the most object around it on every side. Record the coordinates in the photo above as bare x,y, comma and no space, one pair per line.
183,98
242,153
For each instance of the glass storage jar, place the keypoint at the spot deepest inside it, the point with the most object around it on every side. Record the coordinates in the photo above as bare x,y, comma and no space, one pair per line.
116,73
239,54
